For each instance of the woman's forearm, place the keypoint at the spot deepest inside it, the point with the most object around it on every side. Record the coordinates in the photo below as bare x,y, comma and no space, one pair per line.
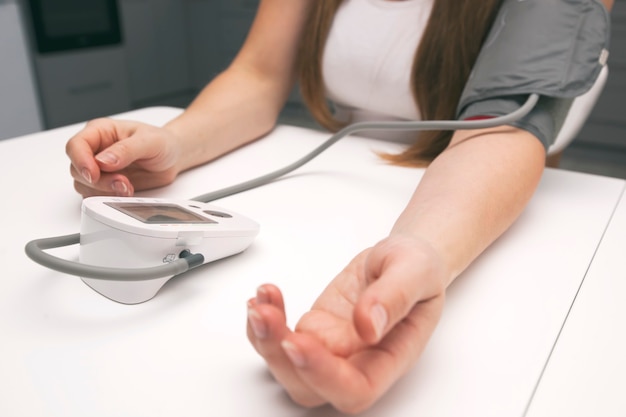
237,107
472,193
243,102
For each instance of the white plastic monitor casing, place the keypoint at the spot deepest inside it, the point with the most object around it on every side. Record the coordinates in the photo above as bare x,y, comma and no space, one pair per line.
112,238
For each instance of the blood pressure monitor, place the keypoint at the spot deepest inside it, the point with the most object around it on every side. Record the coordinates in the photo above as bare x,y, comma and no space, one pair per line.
129,234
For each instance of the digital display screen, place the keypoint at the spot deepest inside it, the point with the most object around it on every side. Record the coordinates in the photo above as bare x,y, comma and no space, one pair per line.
70,24
159,213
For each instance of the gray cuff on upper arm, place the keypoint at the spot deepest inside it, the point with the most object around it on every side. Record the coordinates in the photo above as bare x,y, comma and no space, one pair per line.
544,121
555,49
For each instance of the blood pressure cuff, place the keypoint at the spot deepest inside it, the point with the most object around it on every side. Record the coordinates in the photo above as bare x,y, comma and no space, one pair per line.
554,48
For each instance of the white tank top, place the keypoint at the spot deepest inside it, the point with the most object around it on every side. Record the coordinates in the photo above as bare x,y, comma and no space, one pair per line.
368,59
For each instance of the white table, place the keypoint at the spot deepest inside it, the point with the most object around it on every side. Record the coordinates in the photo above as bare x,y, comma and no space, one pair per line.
67,351
586,375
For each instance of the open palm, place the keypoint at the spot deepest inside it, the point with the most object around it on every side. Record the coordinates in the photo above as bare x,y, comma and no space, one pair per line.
365,330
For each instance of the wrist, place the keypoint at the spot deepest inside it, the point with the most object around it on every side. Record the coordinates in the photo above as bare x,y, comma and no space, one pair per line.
440,273
181,145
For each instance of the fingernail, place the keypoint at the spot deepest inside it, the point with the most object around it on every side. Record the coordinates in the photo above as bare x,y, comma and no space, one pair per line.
256,322
378,315
86,175
293,353
262,297
120,188
107,158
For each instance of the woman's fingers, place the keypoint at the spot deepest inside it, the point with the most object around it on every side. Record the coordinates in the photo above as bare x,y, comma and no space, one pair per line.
147,144
107,184
399,296
353,384
118,157
333,378
270,294
96,136
266,330
313,373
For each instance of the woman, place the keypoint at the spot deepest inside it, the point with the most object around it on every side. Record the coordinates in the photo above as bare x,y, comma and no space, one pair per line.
373,320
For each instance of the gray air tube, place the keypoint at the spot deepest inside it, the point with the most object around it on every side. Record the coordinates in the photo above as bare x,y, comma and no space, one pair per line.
363,126
35,251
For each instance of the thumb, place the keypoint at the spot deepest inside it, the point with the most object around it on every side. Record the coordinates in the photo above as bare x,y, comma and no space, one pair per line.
126,151
401,272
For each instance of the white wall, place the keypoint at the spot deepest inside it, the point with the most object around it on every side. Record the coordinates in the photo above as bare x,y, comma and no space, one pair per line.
19,108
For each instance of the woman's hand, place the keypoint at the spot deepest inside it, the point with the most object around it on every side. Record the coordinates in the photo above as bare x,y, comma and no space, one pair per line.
366,329
110,157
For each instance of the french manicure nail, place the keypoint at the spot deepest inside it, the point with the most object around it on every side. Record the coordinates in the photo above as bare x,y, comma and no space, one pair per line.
379,318
86,175
256,323
262,296
294,354
107,158
120,188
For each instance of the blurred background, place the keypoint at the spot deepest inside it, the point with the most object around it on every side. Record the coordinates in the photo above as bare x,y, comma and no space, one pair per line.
67,61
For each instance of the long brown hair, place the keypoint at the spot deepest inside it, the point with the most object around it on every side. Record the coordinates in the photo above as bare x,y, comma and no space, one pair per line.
442,63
